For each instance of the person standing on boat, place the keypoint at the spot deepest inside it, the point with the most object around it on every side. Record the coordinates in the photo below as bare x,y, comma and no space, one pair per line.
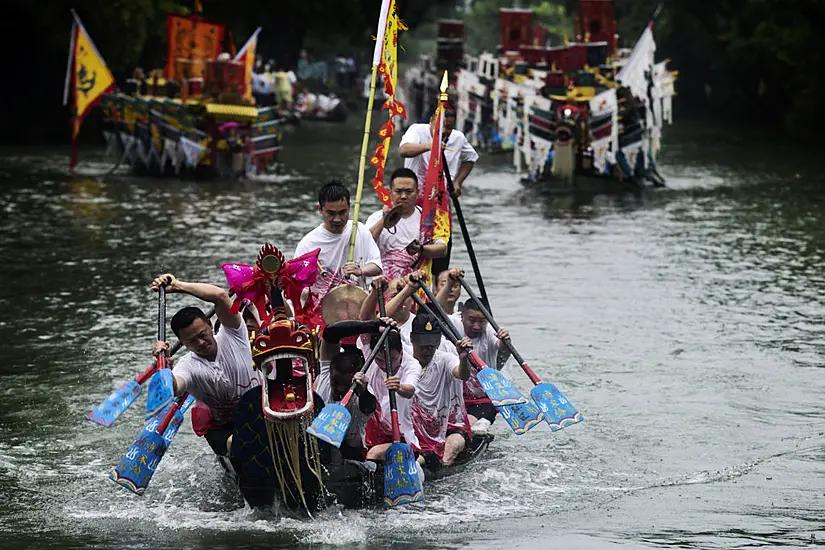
333,237
438,413
418,141
399,246
217,371
461,158
487,343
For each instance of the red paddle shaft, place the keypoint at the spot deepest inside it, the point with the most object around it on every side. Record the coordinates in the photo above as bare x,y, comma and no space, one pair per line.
367,364
171,414
489,316
396,431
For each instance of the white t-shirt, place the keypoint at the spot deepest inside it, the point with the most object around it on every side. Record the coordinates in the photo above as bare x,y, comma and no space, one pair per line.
405,231
438,403
220,383
486,347
458,150
334,252
358,425
408,373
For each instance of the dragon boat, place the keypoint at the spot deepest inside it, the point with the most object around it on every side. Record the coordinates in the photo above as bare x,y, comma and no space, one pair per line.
581,116
274,460
197,116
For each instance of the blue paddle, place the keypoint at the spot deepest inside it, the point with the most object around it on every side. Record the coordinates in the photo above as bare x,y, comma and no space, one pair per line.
121,399
401,482
160,392
502,392
332,422
521,417
556,409
138,465
107,412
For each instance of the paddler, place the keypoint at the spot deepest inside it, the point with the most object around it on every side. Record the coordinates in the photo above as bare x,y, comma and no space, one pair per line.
217,371
338,370
399,245
487,343
405,372
461,158
438,413
399,305
333,238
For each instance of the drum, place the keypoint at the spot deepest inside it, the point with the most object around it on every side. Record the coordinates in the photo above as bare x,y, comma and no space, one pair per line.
342,303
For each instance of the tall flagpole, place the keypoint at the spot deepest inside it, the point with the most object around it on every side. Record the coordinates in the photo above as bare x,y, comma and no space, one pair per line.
376,60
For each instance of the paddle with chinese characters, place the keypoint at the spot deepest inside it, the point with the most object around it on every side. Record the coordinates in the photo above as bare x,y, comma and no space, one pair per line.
138,465
111,408
557,410
332,422
521,417
402,485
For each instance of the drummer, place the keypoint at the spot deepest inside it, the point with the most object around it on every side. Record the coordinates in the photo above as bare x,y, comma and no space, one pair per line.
396,229
333,238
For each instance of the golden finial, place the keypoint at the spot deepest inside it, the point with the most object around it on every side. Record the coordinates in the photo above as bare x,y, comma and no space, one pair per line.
444,83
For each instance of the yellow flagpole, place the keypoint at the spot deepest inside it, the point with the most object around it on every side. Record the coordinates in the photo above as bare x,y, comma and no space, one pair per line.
379,46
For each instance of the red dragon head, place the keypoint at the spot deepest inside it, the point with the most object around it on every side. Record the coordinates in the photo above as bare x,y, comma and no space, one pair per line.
285,351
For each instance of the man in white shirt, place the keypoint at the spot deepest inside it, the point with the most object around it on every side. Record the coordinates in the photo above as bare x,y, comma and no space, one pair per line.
488,344
461,157
399,245
217,371
438,413
418,141
333,238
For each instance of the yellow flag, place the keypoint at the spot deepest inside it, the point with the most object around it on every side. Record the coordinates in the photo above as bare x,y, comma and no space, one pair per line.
247,57
91,77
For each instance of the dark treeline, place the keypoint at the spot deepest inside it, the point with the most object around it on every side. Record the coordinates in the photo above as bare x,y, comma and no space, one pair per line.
759,59
132,33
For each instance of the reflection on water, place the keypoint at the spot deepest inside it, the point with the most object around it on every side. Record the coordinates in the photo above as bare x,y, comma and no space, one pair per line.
686,325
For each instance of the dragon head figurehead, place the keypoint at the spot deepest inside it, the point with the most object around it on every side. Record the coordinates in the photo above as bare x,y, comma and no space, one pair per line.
283,350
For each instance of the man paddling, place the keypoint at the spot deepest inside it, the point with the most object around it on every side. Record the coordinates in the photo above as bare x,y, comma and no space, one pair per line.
399,246
405,372
338,370
438,413
487,343
217,371
398,293
461,158
333,237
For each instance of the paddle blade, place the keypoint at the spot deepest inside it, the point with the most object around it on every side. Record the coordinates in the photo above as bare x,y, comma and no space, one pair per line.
138,465
401,482
136,468
331,424
160,393
500,390
556,409
113,406
521,417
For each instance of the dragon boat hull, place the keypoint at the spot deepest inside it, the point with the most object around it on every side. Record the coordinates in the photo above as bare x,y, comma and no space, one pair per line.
347,483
